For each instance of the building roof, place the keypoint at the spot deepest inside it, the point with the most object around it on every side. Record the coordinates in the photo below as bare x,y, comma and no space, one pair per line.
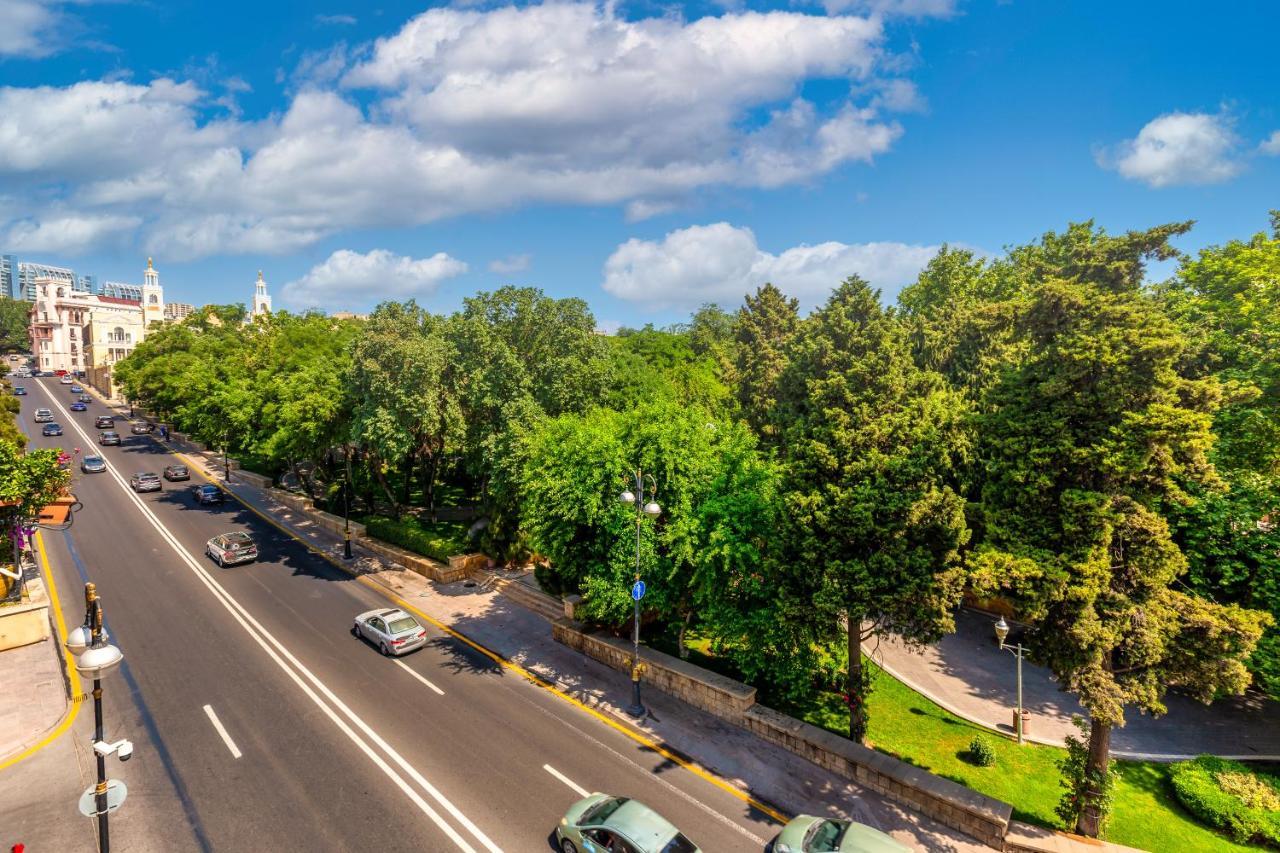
116,300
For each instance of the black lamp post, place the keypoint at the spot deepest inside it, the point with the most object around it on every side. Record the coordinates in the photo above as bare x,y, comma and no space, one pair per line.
652,510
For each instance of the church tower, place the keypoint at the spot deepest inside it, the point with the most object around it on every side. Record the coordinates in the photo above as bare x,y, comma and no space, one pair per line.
261,299
152,296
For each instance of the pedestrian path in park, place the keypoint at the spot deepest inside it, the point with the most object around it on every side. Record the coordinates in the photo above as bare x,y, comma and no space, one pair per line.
969,675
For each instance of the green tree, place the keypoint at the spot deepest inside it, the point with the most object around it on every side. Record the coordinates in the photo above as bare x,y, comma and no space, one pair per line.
13,325
652,364
764,327
1083,443
871,520
29,481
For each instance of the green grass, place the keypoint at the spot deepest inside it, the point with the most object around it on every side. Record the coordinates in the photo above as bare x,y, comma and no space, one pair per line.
440,541
910,727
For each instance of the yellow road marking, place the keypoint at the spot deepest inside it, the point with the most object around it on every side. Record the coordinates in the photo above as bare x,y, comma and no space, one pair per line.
638,737
77,696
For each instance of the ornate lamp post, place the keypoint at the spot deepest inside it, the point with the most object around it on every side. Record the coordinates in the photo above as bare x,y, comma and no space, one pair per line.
652,510
1002,631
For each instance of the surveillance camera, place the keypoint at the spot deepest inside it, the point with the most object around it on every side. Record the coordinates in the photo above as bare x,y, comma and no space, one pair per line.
125,750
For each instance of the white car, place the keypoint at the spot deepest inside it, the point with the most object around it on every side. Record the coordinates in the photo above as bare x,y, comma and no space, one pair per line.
43,416
66,380
393,631
231,548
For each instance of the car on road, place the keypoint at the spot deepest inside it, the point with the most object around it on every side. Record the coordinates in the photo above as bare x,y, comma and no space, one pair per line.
104,422
109,437
86,398
93,465
19,391
51,429
206,494
146,481
65,380
79,407
176,472
141,428
602,823
76,389
393,631
231,548
808,834
43,416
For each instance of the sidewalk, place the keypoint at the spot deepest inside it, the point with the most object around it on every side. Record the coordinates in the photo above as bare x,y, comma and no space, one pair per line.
34,698
970,676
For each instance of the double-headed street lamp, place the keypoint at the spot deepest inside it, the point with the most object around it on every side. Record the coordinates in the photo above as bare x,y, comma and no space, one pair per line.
652,510
1002,631
95,657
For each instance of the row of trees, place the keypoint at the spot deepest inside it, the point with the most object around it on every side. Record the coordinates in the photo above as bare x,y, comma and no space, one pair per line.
1045,426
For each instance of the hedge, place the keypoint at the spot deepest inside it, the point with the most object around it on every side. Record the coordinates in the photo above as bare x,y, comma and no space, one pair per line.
1199,788
440,543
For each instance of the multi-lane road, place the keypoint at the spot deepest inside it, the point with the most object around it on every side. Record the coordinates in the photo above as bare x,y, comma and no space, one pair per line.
262,723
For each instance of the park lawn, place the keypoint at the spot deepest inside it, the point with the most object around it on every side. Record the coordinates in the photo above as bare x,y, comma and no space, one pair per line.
910,727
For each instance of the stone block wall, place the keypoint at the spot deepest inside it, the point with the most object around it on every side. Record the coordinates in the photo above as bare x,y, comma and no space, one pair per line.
257,480
469,562
425,566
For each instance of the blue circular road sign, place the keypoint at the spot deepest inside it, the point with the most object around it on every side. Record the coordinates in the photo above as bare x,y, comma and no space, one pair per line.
637,590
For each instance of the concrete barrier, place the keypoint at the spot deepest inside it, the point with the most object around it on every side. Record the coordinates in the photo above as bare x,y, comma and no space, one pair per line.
257,480
425,566
27,622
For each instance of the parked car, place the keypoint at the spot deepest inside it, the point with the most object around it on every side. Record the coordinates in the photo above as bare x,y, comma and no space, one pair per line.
141,428
79,407
76,389
104,422
51,429
19,391
206,494
176,472
146,481
109,438
601,822
93,465
807,834
393,631
86,398
43,416
231,548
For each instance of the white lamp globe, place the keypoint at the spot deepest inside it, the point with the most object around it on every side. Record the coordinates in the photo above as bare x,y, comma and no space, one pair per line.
97,662
627,497
652,509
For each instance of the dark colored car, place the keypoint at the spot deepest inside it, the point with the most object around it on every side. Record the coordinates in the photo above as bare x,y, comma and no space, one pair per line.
51,429
109,438
19,391
104,422
86,398
78,407
207,494
176,472
141,428
145,481
93,465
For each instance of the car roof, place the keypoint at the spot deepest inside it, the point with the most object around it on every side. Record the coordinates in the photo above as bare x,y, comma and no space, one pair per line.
236,536
207,487
642,825
146,474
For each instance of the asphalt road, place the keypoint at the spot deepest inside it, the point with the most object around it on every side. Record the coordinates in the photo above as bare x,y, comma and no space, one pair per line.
338,747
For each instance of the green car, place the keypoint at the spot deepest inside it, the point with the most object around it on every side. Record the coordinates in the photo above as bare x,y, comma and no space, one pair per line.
805,834
605,824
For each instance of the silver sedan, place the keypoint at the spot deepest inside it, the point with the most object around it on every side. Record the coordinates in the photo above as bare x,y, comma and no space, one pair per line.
393,631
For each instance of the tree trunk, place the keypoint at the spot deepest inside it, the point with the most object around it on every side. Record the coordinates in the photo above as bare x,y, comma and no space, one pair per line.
856,689
386,487
409,464
1090,820
684,629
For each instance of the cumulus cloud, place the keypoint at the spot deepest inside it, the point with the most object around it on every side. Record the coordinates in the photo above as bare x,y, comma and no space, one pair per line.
349,279
510,264
722,263
1176,149
30,28
463,111
1271,145
66,233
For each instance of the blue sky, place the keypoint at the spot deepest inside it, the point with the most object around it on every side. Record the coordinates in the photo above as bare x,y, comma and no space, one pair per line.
646,157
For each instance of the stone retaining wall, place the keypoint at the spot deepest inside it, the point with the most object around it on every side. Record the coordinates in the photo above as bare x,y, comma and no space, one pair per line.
425,566
257,480
469,562
28,622
960,808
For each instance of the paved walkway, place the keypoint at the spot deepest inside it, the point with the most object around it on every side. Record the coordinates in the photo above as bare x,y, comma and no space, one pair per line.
33,696
970,676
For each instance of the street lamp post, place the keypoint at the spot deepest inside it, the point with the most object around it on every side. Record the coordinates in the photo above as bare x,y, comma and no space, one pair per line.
652,510
1002,631
95,658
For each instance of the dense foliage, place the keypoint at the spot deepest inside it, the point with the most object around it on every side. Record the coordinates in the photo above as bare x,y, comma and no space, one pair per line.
1230,796
13,325
1046,425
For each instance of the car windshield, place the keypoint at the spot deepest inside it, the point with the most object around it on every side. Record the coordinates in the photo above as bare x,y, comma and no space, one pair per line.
178,469
93,460
108,435
825,837
238,540
600,812
679,844
399,626
208,490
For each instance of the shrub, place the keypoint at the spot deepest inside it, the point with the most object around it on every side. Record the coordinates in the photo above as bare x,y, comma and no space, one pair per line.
439,542
980,752
1228,795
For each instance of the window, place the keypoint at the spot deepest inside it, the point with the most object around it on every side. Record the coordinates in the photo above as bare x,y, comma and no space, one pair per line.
376,624
152,300
401,625
61,292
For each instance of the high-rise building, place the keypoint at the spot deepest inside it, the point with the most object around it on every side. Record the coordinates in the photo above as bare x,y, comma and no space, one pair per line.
175,311
9,276
29,272
261,299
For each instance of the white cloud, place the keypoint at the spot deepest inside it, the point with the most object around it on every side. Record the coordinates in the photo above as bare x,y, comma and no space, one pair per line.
1178,148
894,8
66,233
1271,145
349,279
29,28
510,264
722,263
469,111
338,20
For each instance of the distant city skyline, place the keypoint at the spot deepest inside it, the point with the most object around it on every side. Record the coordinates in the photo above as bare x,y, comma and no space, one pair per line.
681,155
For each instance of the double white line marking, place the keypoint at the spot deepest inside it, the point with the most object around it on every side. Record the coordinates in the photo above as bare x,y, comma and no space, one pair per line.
316,688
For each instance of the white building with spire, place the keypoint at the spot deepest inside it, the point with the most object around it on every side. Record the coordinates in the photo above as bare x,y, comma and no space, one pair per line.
261,299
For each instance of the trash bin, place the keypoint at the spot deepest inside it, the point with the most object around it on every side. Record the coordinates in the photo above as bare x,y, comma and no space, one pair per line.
1026,722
